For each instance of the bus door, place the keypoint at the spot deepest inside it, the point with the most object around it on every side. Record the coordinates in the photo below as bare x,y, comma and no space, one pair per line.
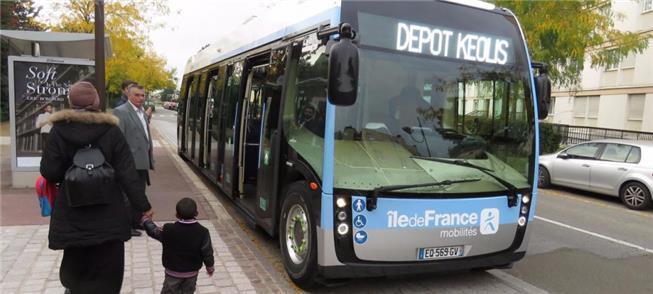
268,163
229,109
211,158
250,135
189,120
198,125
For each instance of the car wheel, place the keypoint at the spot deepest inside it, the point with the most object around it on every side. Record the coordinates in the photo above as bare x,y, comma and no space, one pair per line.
635,196
297,236
543,178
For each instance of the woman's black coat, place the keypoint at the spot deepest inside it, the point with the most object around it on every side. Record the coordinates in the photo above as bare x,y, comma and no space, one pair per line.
91,225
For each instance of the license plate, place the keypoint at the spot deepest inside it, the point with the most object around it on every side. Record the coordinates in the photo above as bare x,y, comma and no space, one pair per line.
440,252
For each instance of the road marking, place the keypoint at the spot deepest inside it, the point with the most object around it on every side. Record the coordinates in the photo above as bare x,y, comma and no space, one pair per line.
155,143
596,235
595,202
516,283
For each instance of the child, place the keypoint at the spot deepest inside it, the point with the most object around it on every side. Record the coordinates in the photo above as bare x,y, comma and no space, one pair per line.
186,244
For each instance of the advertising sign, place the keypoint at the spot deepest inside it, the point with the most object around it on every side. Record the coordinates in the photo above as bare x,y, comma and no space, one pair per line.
38,87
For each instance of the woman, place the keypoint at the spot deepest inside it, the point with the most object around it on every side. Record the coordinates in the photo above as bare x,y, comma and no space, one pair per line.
91,236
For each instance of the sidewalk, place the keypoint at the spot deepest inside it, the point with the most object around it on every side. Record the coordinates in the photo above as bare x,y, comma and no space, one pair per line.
28,266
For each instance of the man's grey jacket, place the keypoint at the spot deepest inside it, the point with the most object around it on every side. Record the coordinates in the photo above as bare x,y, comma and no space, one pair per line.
139,142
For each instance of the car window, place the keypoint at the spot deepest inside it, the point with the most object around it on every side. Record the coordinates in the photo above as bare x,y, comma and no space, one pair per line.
634,156
587,150
615,152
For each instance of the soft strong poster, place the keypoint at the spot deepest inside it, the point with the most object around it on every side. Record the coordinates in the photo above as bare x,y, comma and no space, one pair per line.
40,88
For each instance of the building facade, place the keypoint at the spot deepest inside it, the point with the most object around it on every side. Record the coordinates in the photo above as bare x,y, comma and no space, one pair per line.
618,96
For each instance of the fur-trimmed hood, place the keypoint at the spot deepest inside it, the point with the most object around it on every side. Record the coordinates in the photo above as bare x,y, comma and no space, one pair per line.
81,127
87,117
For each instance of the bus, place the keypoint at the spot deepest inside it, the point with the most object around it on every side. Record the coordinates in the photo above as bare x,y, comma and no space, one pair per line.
373,137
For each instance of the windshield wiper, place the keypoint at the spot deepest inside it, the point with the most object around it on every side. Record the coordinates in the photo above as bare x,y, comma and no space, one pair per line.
511,189
371,200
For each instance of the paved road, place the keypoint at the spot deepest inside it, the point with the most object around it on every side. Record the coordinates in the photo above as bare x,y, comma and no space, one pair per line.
581,243
588,243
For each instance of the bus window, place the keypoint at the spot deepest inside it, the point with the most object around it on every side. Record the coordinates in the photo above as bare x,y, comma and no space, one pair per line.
305,106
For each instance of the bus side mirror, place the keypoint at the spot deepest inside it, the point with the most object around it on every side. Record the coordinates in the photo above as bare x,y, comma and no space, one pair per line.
542,90
343,69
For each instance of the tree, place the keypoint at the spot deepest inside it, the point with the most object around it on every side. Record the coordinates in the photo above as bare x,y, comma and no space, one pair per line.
14,15
127,24
562,33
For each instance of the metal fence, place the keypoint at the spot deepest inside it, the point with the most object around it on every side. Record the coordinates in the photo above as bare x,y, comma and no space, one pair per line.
578,134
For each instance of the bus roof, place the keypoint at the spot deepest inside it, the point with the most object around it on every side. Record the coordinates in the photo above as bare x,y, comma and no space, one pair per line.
258,30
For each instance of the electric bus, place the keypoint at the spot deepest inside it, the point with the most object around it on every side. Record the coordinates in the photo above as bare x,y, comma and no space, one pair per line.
373,138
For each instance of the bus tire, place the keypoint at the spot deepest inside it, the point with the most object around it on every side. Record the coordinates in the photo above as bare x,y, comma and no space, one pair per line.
297,236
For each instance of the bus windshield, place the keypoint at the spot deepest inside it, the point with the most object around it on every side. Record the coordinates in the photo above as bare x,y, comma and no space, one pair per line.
412,107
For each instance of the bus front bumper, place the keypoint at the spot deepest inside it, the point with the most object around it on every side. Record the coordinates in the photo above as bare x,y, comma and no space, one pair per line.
352,270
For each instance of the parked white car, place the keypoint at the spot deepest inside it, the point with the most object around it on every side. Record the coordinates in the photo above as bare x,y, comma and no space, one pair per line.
619,168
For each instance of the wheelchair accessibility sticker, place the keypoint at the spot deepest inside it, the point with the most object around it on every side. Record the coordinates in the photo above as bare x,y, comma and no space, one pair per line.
360,221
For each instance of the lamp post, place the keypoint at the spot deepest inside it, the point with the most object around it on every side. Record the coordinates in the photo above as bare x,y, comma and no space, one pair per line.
99,52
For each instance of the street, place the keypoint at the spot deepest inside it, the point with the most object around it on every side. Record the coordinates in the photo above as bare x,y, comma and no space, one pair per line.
581,243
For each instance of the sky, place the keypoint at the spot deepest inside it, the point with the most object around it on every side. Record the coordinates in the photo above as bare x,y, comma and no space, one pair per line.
196,23
191,24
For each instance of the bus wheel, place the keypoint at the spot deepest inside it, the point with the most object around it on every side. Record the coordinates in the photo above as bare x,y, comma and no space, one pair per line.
297,236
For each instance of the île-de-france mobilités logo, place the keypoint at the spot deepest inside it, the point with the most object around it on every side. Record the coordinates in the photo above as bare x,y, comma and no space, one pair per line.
489,221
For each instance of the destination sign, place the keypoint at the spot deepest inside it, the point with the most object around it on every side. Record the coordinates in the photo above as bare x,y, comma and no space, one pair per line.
433,40
447,43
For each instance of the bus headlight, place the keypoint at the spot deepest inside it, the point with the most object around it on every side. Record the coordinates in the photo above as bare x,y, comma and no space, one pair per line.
521,221
341,202
343,229
342,216
524,209
525,199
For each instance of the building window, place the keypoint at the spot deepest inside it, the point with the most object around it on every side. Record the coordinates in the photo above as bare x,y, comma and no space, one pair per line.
586,110
626,62
635,113
647,5
552,106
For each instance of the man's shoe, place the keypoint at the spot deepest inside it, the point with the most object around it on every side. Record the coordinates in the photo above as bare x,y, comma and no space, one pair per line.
136,233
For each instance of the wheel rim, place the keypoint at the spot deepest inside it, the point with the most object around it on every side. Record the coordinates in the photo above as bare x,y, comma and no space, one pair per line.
297,234
634,196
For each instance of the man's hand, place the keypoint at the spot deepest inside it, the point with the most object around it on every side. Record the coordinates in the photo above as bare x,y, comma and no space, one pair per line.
149,214
148,112
210,270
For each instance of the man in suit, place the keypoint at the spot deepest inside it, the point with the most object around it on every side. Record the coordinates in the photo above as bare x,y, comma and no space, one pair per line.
124,87
134,123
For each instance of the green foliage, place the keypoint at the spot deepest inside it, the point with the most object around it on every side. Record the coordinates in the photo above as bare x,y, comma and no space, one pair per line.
550,138
127,24
14,15
563,33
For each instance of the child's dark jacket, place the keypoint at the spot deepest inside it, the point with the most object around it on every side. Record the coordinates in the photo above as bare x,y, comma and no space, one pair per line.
186,245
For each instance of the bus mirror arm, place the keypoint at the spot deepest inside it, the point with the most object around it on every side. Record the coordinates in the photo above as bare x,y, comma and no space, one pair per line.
542,89
370,201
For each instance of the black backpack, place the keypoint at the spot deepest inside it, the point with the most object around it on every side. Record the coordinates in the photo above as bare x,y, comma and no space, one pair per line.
85,182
